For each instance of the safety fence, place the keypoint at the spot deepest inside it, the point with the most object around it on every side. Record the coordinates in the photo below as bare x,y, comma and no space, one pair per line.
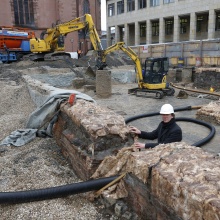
188,53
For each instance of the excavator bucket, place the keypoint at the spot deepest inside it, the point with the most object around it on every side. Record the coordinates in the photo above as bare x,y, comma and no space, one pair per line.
90,73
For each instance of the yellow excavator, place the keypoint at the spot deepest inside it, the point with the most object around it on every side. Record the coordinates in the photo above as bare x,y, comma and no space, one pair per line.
50,46
151,78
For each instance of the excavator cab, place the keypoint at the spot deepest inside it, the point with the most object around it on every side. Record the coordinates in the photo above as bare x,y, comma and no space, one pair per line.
155,69
153,79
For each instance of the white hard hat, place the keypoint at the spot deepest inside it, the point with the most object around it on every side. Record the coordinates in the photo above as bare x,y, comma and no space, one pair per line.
166,109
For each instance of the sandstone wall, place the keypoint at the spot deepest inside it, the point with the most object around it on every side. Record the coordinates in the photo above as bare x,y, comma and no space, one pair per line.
173,181
210,113
87,133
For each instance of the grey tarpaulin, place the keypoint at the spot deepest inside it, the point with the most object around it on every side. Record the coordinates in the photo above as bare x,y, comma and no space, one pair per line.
40,116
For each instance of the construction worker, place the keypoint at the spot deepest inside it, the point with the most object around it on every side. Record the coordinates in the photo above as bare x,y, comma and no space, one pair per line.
167,131
79,53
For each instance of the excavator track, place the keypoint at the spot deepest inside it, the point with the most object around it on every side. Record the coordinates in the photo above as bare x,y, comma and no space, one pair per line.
168,91
56,56
149,93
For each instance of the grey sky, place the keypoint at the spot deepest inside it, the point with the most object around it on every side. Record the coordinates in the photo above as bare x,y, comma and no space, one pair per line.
103,15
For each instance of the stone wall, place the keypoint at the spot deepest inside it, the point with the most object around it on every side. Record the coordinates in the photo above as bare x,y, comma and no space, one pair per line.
207,77
88,133
201,77
210,113
170,182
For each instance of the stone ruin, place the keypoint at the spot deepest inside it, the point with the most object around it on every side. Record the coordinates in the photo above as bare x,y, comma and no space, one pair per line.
172,181
210,113
207,77
202,78
88,133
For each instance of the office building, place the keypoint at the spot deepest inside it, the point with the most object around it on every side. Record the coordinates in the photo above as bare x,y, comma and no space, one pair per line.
140,22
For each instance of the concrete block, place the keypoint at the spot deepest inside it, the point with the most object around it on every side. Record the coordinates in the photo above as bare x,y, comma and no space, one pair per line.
103,83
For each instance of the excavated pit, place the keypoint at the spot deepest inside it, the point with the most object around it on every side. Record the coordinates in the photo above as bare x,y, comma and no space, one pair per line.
168,182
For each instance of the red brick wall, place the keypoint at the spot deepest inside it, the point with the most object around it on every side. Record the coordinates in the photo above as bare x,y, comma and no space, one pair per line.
49,11
6,17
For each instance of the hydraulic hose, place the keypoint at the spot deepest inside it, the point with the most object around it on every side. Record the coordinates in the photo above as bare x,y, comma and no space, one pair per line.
198,143
54,192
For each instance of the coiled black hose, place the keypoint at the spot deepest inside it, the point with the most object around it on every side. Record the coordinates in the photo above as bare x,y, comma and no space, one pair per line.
54,192
209,126
198,143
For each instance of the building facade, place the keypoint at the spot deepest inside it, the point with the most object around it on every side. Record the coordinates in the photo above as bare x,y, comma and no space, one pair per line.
43,14
141,22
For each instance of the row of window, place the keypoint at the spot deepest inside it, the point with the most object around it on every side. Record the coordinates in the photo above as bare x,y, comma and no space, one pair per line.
184,23
131,5
24,11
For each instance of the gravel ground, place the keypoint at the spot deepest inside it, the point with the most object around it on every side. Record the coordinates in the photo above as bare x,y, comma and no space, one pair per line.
40,163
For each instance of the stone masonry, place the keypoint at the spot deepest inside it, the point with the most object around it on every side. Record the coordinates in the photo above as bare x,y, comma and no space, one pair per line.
88,133
173,181
169,182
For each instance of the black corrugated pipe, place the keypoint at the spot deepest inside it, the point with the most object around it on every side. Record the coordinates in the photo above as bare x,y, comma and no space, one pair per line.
54,192
209,126
198,143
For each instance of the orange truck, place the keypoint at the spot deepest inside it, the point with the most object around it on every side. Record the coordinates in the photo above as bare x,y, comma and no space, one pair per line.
14,43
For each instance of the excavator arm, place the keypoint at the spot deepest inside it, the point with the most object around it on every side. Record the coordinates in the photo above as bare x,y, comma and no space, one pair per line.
130,53
49,40
155,70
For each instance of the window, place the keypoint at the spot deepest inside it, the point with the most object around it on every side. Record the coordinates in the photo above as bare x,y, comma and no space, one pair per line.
142,4
168,27
154,3
199,23
111,9
155,28
120,7
142,30
167,1
131,5
23,12
86,8
183,25
217,24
